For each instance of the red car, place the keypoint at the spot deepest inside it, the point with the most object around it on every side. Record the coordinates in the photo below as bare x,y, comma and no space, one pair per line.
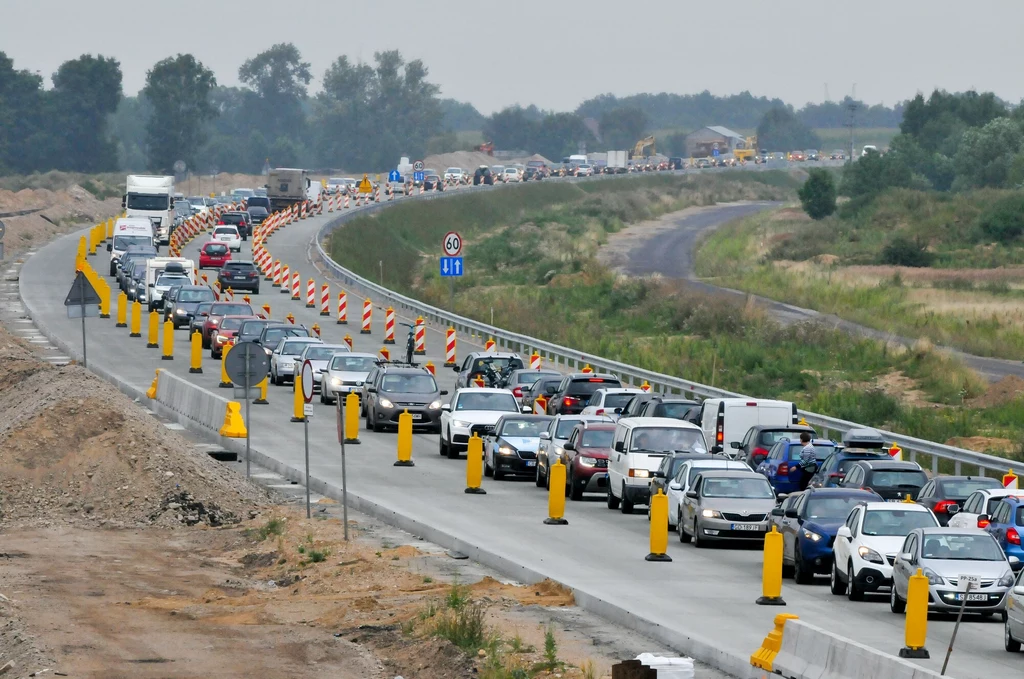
218,310
214,255
587,451
227,329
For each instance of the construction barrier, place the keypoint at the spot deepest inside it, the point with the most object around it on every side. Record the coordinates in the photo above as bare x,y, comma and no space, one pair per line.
325,300
310,294
285,280
296,286
556,495
348,341
168,341
122,311
449,348
276,277
771,570
420,337
342,308
659,528
225,381
367,317
389,326
298,401
490,344
535,361
352,419
266,311
430,368
234,426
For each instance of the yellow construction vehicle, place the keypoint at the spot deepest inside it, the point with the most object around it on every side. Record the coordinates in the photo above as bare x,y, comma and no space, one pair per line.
746,150
638,150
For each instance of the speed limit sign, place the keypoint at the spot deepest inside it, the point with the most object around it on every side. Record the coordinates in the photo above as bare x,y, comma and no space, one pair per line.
452,244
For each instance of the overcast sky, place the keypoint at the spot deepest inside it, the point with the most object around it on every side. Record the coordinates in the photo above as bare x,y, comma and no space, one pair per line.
557,53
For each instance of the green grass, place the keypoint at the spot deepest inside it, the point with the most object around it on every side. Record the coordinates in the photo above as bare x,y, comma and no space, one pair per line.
273,527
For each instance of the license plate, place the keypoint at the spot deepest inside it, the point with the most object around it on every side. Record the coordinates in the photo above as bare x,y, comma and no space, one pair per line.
895,500
239,278
531,463
746,526
972,597
417,416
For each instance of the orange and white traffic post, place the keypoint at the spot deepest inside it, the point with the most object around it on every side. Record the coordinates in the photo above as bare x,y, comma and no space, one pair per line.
385,355
646,386
389,326
367,317
420,337
275,275
540,405
535,361
266,310
1010,480
285,280
430,368
310,294
342,308
348,341
325,300
346,201
296,286
490,344
449,348
587,369
896,452
290,319
478,381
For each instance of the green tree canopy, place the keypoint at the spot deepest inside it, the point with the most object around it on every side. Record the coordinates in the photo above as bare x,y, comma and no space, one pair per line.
179,90
818,194
87,92
279,77
781,130
986,154
622,127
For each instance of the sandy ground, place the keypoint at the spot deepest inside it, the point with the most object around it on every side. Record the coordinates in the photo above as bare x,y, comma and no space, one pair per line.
55,213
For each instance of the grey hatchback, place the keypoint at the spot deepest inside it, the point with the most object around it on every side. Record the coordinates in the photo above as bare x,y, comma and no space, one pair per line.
391,390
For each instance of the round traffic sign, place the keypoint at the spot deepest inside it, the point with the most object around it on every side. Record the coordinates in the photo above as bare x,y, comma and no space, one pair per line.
246,364
418,166
452,244
3,229
307,381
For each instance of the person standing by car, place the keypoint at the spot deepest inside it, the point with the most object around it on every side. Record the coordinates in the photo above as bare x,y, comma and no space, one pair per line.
808,460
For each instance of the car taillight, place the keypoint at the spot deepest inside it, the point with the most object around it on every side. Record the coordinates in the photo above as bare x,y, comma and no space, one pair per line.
943,507
760,451
220,223
1012,536
600,411
834,475
982,523
252,274
784,468
568,400
517,392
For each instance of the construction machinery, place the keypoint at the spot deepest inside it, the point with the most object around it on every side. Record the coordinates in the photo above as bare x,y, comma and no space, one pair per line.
487,147
746,150
638,150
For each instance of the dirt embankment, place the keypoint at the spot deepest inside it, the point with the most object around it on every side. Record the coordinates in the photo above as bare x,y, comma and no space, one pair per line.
53,213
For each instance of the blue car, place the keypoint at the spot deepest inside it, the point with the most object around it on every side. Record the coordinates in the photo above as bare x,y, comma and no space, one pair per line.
808,522
1006,524
833,470
782,466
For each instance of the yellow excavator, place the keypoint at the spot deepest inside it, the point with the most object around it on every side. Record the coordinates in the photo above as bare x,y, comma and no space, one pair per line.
638,150
748,151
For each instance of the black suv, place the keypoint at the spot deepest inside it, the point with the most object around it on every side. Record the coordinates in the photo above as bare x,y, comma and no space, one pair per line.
239,275
258,201
576,389
483,176
892,479
275,331
240,220
391,389
180,307
667,406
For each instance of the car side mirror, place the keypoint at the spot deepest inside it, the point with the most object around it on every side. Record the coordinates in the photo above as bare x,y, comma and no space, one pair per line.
455,368
618,447
778,512
527,410
447,407
110,247
692,494
545,436
716,450
618,411
906,556
735,445
791,514
844,532
371,390
675,486
150,285
1015,564
443,392
569,445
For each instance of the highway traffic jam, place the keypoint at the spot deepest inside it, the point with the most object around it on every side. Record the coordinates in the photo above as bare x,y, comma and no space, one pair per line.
851,511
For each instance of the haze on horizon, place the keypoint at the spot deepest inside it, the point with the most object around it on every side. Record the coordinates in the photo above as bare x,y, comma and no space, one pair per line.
495,55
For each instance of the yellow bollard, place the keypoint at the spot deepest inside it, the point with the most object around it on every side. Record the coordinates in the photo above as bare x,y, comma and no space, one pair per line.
90,242
154,331
104,293
771,572
352,418
405,441
234,426
659,529
916,625
136,329
556,495
764,657
110,228
262,400
298,400
225,381
196,362
475,466
122,310
168,341
81,254
151,392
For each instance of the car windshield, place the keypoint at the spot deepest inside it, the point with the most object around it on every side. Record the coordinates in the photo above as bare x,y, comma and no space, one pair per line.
664,439
321,353
475,400
216,249
831,507
959,490
616,400
597,438
453,170
231,323
498,364
183,207
257,210
249,328
416,384
144,201
195,295
675,410
197,201
293,348
898,478
523,428
895,522
124,242
962,547
172,280
738,487
231,310
565,427
353,364
698,468
274,335
243,193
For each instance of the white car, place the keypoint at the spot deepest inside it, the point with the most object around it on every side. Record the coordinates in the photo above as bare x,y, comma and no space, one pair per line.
683,479
584,170
454,174
473,410
282,358
319,357
980,502
228,235
511,174
610,402
867,544
345,374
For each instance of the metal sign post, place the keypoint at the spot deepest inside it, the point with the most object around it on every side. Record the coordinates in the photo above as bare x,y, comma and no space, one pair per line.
970,582
82,302
247,365
344,481
307,396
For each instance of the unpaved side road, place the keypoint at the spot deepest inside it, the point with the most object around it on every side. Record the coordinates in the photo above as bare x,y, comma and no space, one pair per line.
668,246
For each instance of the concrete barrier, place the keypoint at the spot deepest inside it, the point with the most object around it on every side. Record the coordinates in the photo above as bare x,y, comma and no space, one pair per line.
809,652
184,398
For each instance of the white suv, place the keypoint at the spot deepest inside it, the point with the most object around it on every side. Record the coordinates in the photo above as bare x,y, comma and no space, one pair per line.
867,544
473,410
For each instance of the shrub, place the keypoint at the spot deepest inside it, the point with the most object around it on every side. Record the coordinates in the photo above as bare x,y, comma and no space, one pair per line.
1003,220
818,194
901,251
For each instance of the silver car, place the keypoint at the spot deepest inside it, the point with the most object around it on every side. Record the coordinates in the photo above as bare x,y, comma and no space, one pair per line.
1013,625
553,439
345,374
319,356
726,505
282,358
945,555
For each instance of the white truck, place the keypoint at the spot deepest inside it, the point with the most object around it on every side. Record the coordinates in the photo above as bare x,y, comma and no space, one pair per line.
129,231
160,277
617,162
151,197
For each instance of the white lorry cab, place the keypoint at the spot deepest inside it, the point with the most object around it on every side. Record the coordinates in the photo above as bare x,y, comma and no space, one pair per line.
129,231
725,421
151,197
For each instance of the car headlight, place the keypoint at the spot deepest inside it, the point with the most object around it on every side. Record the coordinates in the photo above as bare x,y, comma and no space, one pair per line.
335,382
639,473
222,338
1006,580
506,450
180,312
869,554
587,461
434,405
269,352
812,536
711,514
461,424
385,403
933,577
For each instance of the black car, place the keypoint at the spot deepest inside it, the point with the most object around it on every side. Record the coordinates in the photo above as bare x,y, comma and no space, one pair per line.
391,389
195,323
249,331
433,182
239,275
240,220
274,332
576,389
258,201
636,404
676,164
891,479
180,307
483,176
945,495
667,406
257,213
760,438
511,448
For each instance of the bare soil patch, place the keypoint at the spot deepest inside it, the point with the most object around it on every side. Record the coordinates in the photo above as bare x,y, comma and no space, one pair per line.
1005,390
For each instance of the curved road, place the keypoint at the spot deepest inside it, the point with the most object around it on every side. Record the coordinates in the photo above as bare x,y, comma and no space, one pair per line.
702,603
671,252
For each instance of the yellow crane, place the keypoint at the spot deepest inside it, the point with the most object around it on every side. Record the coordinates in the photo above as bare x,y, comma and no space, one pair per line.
638,150
746,152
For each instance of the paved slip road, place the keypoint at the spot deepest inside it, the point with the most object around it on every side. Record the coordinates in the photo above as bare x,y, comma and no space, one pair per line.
671,253
703,601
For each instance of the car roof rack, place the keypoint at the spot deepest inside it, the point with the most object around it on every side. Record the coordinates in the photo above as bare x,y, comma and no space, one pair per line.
397,364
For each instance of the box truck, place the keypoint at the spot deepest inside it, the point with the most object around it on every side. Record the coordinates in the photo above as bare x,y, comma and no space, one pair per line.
151,197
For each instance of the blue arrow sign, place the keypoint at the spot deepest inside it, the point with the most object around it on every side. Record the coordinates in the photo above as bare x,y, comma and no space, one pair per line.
715,153
417,176
393,176
451,266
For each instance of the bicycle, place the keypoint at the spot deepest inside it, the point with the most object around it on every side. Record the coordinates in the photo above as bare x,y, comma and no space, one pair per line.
410,344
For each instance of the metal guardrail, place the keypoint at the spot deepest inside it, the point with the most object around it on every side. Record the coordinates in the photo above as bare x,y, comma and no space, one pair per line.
964,461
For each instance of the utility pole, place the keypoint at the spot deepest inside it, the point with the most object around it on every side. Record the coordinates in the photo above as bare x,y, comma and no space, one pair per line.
852,124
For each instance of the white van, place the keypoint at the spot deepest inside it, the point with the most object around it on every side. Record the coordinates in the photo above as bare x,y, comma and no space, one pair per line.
128,231
638,447
157,283
725,421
